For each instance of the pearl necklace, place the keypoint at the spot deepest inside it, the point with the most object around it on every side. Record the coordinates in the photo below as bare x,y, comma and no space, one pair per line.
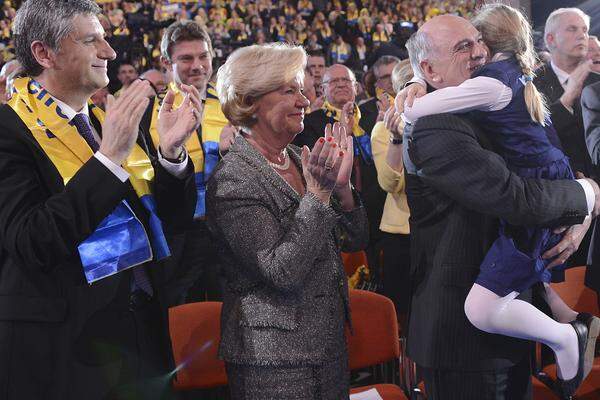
286,162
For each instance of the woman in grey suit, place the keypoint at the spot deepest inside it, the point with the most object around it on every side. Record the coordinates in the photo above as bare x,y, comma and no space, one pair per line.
281,217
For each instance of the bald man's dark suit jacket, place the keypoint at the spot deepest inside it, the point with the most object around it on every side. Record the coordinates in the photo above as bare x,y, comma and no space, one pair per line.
51,320
457,189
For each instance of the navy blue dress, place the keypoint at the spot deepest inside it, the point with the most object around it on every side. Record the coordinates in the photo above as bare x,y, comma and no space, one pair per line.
514,261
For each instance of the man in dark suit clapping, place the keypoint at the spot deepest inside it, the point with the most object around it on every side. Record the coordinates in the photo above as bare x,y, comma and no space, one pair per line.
83,216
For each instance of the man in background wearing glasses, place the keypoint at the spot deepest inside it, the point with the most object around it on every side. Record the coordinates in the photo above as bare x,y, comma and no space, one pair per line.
339,88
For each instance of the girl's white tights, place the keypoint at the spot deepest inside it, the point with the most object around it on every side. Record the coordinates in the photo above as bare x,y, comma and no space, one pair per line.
516,318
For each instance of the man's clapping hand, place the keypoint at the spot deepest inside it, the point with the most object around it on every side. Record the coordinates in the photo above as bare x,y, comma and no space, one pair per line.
122,122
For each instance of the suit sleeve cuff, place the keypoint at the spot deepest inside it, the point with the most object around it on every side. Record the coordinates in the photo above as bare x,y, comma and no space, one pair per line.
590,197
114,168
178,170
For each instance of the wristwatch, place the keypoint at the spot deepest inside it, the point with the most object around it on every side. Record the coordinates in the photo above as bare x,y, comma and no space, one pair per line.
395,139
177,160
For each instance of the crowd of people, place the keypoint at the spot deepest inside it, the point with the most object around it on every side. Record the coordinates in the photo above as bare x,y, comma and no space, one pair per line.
344,32
241,146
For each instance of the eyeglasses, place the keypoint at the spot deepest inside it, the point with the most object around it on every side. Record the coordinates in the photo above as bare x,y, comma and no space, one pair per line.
339,82
384,77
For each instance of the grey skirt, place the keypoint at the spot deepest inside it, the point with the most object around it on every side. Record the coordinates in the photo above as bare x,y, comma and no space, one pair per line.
329,381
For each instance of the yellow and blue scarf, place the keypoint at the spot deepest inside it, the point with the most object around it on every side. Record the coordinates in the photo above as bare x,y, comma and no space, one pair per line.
203,149
362,141
120,240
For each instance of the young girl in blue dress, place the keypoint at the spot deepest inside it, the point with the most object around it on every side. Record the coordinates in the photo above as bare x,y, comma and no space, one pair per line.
503,100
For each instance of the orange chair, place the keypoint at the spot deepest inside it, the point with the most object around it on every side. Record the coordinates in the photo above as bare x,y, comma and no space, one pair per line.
195,330
375,338
354,260
580,298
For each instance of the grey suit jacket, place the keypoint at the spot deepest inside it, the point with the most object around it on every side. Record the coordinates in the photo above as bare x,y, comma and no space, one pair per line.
286,294
590,107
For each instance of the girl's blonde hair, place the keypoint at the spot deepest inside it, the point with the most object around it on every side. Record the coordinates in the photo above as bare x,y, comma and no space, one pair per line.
505,30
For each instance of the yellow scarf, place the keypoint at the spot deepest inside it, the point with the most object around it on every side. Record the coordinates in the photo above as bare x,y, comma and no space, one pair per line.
47,124
204,155
362,141
336,113
69,151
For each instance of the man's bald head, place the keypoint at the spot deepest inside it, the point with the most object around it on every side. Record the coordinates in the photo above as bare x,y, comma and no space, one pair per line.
157,79
446,50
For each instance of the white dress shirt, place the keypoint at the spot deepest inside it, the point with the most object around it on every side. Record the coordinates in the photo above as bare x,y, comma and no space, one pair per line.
562,76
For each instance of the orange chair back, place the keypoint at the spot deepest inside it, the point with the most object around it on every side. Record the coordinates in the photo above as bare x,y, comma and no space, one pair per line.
375,325
195,330
574,292
354,260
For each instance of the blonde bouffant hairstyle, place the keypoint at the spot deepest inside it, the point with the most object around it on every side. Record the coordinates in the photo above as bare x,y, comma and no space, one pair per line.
505,30
253,71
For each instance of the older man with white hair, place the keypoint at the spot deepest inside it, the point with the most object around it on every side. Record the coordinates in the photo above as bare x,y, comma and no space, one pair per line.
457,189
561,81
564,77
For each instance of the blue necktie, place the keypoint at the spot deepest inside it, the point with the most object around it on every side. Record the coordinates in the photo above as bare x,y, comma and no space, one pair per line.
82,123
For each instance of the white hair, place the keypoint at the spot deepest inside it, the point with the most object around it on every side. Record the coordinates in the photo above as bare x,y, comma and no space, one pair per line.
553,20
419,48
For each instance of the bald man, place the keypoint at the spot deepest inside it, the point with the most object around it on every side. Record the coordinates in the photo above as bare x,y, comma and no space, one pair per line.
157,80
457,189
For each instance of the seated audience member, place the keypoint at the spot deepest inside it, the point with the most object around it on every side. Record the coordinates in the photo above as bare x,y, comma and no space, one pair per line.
340,89
386,143
285,302
310,93
370,110
126,75
339,51
316,66
157,80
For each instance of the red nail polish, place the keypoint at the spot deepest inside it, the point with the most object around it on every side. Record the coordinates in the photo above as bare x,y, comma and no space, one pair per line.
341,154
329,139
334,145
321,140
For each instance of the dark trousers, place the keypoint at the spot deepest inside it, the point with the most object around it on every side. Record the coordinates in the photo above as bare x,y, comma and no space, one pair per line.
201,259
396,270
505,384
122,354
194,267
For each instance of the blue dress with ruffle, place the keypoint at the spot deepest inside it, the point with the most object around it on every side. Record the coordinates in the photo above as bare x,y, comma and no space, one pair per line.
531,150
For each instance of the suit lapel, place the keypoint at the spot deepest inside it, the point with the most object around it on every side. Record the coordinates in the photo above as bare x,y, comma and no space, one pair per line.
553,87
248,153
